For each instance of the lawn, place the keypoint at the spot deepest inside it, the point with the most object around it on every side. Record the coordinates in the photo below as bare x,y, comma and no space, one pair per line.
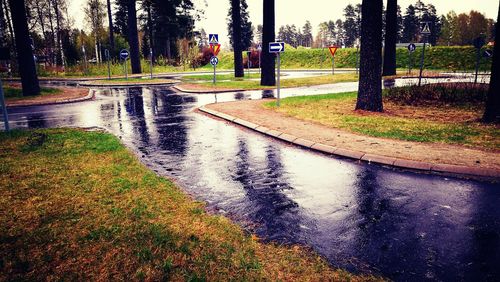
78,205
131,81
285,83
16,93
228,76
449,124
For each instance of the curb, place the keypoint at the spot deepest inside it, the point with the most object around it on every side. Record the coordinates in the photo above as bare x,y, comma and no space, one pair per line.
89,96
179,88
357,155
128,85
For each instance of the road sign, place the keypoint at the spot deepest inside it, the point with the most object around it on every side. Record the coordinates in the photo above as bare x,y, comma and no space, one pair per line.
124,54
213,38
412,47
259,47
276,47
488,53
426,29
215,48
333,50
214,61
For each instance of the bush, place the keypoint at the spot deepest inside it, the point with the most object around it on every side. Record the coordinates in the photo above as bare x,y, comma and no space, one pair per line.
435,94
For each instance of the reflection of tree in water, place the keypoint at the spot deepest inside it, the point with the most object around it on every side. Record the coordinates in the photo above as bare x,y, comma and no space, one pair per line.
267,94
481,263
275,214
36,120
171,120
134,105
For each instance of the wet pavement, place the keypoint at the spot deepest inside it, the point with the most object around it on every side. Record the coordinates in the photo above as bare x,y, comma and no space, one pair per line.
364,218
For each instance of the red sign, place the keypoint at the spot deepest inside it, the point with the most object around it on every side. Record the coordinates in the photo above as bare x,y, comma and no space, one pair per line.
215,48
333,50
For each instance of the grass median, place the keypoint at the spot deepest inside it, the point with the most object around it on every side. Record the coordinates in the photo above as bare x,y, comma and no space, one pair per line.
451,124
78,205
16,93
285,82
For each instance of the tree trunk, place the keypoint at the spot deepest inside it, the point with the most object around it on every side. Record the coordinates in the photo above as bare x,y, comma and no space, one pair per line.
268,77
27,67
391,35
9,24
238,52
52,43
370,77
58,31
492,112
133,37
111,28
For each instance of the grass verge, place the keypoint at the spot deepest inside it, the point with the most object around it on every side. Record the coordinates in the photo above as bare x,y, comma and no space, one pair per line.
449,124
121,81
285,83
77,205
16,93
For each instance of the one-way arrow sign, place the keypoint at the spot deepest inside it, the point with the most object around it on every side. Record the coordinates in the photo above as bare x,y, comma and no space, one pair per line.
276,47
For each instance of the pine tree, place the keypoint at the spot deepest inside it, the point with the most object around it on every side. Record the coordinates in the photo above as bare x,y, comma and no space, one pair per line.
370,78
492,112
307,34
391,36
246,26
268,77
236,35
27,68
410,25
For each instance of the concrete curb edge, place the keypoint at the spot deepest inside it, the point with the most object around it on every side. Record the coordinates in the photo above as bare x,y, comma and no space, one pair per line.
356,155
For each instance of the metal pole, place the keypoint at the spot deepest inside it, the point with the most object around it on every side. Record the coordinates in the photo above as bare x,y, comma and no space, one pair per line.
333,65
422,63
478,61
279,79
357,58
109,62
126,70
409,62
214,75
4,108
248,63
151,61
260,57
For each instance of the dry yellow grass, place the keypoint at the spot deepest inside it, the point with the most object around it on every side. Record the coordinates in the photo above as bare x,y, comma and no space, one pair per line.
77,205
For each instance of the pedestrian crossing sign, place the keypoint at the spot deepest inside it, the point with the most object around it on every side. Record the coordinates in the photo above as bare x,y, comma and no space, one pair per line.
213,38
426,29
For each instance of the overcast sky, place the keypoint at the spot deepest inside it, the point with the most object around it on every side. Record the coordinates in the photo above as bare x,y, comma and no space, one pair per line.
298,12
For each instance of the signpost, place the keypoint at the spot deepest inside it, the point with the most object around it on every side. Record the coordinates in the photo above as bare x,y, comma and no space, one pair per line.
411,49
85,58
277,48
357,55
259,48
151,61
214,61
124,54
488,53
106,53
425,31
4,108
333,50
213,38
249,53
478,43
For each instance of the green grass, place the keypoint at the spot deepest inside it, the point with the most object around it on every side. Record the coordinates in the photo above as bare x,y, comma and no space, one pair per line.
131,81
17,93
420,124
219,77
285,83
78,205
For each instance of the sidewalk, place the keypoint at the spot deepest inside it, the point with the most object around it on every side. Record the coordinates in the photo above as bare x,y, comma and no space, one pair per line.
430,157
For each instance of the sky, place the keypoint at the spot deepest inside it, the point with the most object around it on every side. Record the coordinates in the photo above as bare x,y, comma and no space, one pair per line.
298,12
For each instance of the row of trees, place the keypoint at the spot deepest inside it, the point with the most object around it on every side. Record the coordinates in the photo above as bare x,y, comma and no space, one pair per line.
450,29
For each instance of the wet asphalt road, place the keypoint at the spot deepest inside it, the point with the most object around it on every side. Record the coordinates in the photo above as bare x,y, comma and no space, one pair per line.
364,218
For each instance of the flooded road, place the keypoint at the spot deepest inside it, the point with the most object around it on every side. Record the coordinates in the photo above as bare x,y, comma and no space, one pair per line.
364,218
